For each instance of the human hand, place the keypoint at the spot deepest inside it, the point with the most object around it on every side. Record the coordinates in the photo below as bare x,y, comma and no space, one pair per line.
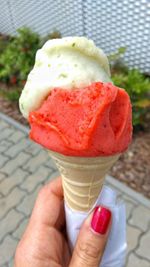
44,242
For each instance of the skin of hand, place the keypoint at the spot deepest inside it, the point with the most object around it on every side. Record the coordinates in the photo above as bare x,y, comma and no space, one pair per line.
44,243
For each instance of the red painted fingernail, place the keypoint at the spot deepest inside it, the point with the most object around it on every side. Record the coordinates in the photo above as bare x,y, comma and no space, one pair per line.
100,220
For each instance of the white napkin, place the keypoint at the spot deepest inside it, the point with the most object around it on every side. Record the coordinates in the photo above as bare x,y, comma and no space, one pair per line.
115,251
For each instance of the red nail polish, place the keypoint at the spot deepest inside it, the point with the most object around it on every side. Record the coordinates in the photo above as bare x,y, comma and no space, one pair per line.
100,220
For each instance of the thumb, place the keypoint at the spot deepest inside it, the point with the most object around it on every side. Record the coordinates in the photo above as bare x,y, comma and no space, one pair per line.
92,239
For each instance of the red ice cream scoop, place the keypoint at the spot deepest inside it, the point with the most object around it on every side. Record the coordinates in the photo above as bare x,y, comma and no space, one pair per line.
92,121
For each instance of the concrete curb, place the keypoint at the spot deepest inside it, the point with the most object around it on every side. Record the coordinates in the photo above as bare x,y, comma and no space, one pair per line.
118,185
14,123
128,191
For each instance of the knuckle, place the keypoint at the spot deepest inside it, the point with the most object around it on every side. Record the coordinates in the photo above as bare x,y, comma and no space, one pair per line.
88,253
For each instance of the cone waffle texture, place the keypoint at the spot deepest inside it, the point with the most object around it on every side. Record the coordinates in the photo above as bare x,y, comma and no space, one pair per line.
83,178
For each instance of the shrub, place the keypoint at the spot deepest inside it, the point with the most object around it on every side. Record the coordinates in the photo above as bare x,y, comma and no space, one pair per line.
4,40
53,35
12,95
138,87
135,83
18,57
116,56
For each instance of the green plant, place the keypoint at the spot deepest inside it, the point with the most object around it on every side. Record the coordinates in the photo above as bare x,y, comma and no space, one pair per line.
12,95
53,35
117,55
138,88
4,40
18,58
135,83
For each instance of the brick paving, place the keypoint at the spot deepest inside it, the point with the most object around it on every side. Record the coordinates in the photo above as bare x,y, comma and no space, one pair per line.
25,168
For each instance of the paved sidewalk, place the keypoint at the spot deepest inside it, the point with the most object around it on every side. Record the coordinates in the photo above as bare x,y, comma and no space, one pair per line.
24,168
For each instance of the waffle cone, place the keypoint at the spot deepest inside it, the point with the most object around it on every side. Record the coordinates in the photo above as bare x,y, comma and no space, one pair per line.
82,178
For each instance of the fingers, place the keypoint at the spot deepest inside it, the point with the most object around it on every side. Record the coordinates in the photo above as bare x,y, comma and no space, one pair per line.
41,242
49,208
92,239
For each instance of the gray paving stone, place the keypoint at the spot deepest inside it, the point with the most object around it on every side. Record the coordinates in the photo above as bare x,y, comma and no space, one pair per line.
14,163
3,160
27,204
50,163
2,176
36,161
12,181
3,148
129,199
3,125
36,178
129,208
9,223
135,261
7,250
53,175
16,136
20,230
11,263
144,248
6,142
9,202
17,148
5,265
33,149
132,237
4,145
6,133
140,217
1,195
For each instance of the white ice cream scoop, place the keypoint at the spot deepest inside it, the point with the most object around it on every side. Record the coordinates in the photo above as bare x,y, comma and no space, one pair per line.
70,62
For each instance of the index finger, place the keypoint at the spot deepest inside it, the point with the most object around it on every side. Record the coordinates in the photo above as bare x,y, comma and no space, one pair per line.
49,207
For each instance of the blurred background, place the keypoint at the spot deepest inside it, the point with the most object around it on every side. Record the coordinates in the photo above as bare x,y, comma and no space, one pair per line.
122,30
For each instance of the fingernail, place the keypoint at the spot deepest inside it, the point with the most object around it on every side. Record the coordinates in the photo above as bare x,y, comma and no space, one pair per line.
100,220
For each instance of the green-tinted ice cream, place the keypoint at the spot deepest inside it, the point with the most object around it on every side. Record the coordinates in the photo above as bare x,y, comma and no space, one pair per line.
71,62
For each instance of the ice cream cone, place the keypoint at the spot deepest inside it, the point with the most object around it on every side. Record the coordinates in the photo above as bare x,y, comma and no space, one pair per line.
83,178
